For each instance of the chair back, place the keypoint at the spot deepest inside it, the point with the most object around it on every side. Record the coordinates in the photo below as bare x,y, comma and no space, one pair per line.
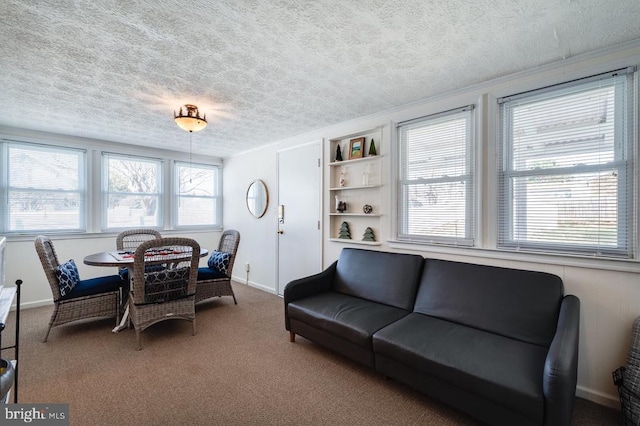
49,259
164,269
132,238
229,241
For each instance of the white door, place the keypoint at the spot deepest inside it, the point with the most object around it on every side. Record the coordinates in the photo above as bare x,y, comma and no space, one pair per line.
299,212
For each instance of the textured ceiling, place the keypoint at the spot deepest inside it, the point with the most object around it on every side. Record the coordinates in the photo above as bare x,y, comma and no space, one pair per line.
264,70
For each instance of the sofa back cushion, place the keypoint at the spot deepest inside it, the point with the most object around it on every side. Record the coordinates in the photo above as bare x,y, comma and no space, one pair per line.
383,277
523,305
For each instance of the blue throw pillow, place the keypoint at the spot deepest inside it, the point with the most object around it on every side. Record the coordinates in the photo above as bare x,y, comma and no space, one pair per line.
219,261
68,277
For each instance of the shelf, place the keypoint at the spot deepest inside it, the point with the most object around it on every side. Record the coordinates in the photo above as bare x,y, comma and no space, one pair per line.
364,243
355,214
355,160
347,188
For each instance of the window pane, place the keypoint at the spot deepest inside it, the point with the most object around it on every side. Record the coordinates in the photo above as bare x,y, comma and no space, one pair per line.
196,199
45,189
133,195
437,209
41,211
43,168
132,211
134,176
435,186
565,131
566,179
196,211
578,209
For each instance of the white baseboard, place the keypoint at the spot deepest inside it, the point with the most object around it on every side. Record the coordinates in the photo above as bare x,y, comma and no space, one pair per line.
254,284
261,287
36,304
598,397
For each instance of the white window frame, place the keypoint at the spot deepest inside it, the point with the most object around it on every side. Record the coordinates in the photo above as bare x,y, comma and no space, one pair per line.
403,184
159,192
624,163
217,197
6,191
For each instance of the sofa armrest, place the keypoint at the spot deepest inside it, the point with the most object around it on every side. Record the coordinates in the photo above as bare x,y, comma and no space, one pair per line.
308,286
561,365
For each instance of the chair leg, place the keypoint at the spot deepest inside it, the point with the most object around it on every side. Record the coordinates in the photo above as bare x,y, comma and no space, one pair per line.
138,339
118,314
51,321
292,336
46,334
193,324
232,293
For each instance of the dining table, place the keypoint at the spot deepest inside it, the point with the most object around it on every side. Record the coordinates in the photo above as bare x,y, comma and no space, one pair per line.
119,258
124,259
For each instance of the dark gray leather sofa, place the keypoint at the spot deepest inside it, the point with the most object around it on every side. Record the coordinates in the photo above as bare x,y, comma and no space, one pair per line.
500,344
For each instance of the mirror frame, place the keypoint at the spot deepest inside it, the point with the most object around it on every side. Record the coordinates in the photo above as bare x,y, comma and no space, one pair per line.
260,186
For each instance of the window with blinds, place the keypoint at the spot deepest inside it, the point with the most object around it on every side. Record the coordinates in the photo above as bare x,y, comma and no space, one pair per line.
436,179
45,189
197,196
566,177
132,191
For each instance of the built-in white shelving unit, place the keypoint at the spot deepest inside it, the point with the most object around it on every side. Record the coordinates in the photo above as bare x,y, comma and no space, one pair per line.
357,182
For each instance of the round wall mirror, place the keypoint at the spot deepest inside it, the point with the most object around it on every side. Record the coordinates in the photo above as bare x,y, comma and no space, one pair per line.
257,198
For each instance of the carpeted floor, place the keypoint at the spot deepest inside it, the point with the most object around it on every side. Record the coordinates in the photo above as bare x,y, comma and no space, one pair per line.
239,369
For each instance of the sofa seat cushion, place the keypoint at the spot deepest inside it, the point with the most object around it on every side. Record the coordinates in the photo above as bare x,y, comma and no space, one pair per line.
93,286
495,367
347,317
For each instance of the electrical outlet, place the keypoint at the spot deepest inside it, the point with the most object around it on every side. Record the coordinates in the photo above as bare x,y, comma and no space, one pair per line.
246,267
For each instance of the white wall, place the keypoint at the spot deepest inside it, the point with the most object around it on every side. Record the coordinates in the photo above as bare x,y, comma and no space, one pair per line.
257,235
609,291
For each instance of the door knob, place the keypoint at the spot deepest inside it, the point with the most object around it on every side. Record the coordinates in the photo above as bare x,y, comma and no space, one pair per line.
280,231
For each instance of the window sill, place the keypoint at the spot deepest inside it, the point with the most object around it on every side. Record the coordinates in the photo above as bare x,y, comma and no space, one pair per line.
106,234
618,265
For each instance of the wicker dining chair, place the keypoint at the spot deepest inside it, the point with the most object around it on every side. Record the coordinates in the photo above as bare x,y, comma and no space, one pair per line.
159,294
90,298
212,283
130,239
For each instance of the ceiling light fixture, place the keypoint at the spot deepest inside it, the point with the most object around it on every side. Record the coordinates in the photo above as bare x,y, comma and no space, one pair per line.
190,119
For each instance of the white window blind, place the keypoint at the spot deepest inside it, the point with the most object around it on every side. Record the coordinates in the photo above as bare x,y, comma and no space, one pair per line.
197,197
436,181
132,191
566,178
45,189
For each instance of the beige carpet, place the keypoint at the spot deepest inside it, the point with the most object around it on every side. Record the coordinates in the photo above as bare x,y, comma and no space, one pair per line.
240,369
